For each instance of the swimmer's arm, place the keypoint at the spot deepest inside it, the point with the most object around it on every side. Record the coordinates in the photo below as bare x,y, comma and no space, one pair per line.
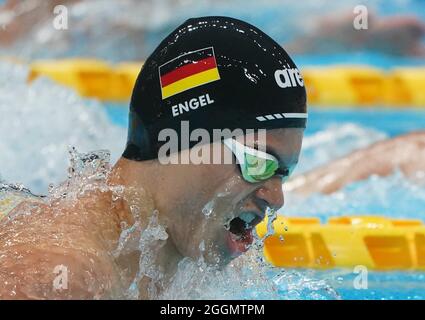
50,273
406,153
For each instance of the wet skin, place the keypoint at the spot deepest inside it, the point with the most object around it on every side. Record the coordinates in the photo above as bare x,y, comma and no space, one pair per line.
83,233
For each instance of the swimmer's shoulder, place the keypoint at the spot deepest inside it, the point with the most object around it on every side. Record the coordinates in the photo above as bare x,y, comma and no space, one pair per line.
39,246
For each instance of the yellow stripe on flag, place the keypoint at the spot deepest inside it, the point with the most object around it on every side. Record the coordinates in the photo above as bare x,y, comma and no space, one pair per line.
190,82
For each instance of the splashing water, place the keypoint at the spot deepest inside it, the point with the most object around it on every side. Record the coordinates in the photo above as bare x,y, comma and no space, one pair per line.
247,277
151,240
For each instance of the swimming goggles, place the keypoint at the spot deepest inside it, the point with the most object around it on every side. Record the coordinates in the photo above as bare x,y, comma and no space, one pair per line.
255,165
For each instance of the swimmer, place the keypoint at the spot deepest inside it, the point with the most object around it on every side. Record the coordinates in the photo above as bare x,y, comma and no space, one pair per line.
17,17
398,35
405,152
221,73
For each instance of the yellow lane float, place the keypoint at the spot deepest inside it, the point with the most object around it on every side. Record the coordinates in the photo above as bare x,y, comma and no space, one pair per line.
90,78
365,86
374,242
124,76
326,86
406,86
344,85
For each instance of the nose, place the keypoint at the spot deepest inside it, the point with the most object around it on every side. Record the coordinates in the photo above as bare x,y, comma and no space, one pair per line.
272,193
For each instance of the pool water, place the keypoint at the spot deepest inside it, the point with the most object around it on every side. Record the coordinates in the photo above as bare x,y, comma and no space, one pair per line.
379,285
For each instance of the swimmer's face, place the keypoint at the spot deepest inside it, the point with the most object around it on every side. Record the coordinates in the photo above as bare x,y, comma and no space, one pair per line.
219,209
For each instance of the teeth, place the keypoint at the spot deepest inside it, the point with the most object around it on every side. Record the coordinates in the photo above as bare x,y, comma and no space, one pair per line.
248,217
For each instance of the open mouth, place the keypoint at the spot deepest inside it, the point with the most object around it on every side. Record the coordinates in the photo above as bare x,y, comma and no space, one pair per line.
243,223
240,231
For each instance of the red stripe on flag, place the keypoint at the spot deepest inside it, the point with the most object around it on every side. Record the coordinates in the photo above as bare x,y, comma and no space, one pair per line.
188,70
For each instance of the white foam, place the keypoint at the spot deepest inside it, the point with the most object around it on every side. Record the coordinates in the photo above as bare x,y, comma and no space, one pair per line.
40,121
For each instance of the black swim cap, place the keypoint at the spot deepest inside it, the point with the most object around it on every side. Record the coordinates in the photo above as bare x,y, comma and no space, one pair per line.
216,73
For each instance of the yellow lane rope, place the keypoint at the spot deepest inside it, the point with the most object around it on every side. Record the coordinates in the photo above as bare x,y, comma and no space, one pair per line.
326,86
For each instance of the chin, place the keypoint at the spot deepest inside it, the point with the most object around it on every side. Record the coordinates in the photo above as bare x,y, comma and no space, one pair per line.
217,253
229,247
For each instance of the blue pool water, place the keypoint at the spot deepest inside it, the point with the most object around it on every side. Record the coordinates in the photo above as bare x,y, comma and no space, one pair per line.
379,285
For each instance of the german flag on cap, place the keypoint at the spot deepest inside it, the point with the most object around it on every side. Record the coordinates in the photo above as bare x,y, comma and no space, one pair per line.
188,71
